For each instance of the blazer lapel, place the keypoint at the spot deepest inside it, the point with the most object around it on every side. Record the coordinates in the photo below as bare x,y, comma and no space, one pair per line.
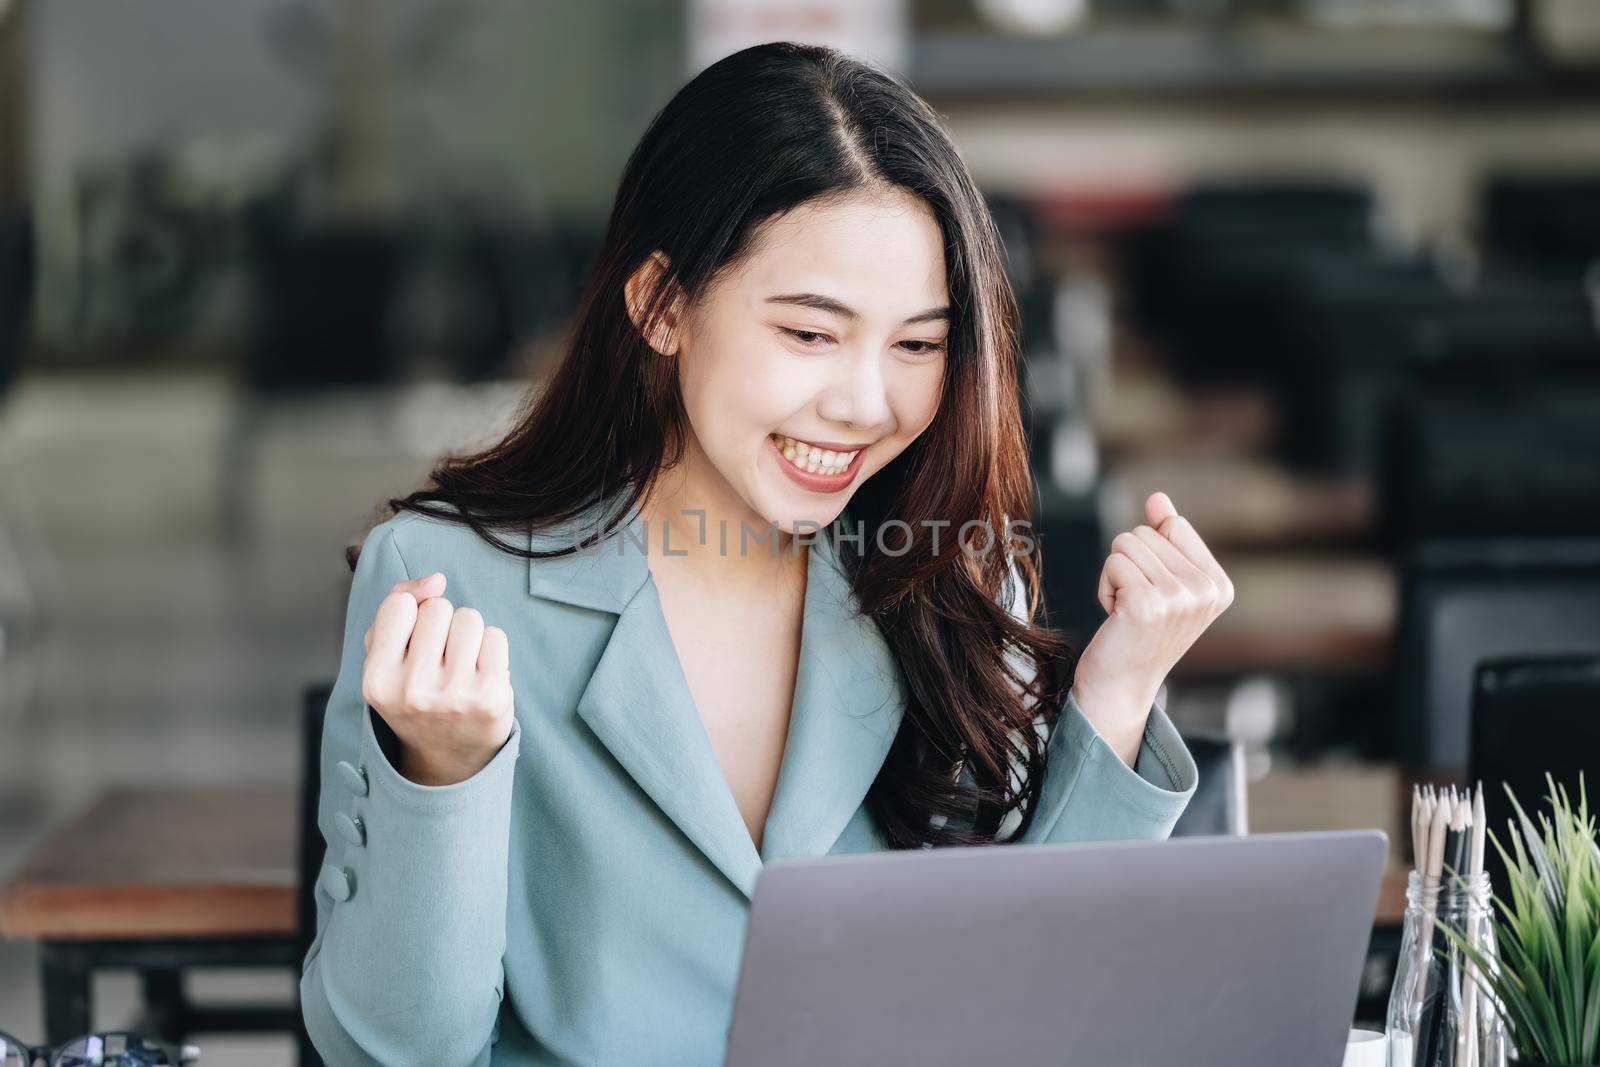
638,703
847,703
604,577
637,700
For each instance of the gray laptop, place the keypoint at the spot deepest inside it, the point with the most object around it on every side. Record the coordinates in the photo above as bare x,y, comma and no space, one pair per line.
1244,951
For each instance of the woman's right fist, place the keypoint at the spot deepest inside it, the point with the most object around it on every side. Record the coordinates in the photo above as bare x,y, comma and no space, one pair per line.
441,679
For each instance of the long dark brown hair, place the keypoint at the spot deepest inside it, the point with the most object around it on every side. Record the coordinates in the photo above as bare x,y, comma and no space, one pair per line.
752,136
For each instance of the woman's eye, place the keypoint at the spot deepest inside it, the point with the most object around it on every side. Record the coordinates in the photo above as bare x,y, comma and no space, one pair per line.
815,339
809,338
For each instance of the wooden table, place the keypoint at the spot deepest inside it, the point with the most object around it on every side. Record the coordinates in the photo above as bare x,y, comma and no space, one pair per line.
160,880
1392,897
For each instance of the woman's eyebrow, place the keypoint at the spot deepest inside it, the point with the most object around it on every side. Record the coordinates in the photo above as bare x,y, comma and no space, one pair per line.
818,302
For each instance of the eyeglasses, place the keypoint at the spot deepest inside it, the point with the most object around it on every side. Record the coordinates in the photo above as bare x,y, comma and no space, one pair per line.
112,1049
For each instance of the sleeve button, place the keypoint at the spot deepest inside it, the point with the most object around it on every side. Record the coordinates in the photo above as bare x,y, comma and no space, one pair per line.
338,883
352,830
355,779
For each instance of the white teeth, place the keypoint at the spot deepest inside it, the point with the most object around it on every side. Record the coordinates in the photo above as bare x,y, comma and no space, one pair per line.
813,459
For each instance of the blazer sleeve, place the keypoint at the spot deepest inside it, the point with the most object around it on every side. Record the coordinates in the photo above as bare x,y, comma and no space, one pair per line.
406,964
1089,793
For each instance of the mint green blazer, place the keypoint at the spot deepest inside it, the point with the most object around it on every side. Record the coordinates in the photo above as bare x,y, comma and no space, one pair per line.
582,899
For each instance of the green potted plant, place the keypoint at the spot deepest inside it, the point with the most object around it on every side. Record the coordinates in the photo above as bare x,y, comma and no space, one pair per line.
1545,983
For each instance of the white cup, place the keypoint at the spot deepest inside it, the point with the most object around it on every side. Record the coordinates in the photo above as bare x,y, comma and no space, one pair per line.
1365,1048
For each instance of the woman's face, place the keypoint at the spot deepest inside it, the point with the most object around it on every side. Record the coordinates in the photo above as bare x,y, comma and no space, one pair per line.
818,362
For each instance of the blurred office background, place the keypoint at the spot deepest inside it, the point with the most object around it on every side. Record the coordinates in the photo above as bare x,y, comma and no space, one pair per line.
1326,271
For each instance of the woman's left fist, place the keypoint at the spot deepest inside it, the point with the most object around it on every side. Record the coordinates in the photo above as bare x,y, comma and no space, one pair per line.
1161,588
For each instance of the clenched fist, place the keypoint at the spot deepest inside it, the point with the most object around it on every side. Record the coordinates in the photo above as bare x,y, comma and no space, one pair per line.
441,679
1161,588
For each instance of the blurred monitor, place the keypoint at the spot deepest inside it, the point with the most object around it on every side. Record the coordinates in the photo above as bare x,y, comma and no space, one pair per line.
1465,601
1531,716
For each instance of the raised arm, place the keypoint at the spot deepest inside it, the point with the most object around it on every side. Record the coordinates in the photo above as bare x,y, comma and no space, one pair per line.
1117,767
406,967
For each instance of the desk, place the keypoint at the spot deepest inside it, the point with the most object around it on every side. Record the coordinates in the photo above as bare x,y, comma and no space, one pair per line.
159,880
1392,897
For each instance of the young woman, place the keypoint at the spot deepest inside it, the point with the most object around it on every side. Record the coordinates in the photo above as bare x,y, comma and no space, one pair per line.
551,776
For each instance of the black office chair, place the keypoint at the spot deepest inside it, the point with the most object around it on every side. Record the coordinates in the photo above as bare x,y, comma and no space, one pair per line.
1533,715
19,614
1466,601
311,845
1219,805
16,292
1500,463
1203,278
1070,538
1548,219
1365,332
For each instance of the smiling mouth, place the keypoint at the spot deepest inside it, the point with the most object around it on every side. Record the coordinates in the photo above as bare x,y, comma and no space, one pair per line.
814,460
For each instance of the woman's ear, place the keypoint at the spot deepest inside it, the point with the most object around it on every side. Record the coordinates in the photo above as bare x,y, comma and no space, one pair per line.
651,274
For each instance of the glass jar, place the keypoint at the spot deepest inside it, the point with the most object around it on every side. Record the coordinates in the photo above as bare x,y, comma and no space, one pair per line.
1439,1013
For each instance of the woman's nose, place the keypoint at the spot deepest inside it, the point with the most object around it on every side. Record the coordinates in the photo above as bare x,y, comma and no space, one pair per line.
861,398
